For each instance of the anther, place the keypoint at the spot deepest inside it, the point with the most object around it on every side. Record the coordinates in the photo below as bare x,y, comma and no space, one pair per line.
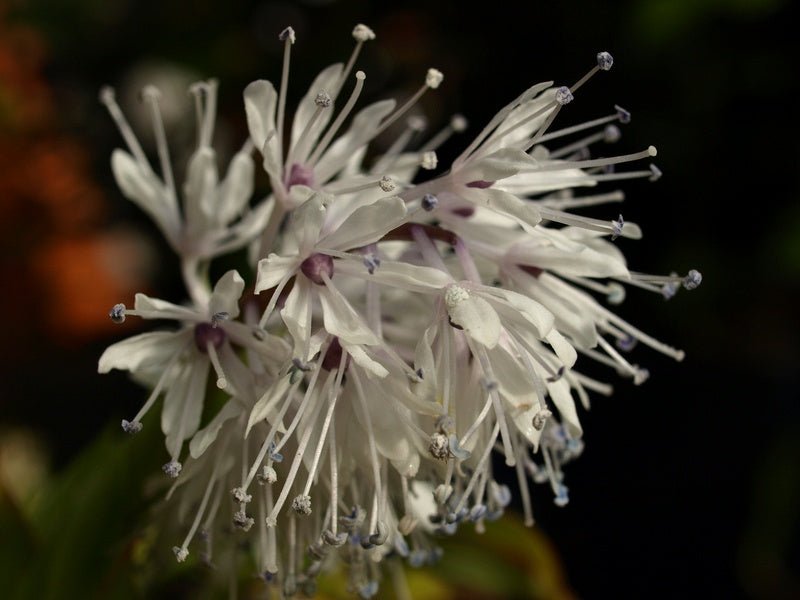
477,512
564,95
692,280
616,227
362,33
458,123
623,115
323,99
242,521
219,317
172,468
117,313
240,495
302,504
655,173
627,343
267,475
131,426
368,590
379,538
417,123
334,539
604,61
611,134
433,78
386,183
429,202
540,418
562,496
557,375
429,161
371,262
273,455
181,554
287,34
439,446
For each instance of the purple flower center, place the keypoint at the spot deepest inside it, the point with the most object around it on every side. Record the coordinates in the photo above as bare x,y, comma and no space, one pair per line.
480,184
315,265
333,356
205,334
300,175
464,211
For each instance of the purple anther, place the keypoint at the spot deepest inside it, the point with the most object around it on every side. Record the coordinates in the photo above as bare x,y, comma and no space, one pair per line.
315,266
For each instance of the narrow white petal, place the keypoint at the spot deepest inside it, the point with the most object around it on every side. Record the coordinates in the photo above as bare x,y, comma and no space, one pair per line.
260,102
562,398
206,436
143,351
236,189
520,309
342,320
474,315
366,225
227,292
273,269
397,274
563,349
183,404
296,314
523,212
200,190
363,360
263,409
325,81
155,308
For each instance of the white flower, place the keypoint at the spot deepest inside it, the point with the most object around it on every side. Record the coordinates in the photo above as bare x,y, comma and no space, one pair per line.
214,217
419,328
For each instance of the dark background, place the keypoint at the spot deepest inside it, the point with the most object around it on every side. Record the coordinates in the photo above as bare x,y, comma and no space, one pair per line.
689,486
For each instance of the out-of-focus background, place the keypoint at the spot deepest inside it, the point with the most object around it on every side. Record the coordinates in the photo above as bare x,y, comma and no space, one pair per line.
689,486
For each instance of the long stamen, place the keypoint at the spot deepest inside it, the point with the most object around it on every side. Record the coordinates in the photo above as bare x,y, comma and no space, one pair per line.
222,381
479,468
582,201
287,36
333,396
457,125
432,81
151,95
337,123
361,33
598,162
108,98
373,451
135,424
576,128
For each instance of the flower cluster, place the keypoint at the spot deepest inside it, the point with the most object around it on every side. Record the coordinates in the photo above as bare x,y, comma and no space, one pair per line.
400,328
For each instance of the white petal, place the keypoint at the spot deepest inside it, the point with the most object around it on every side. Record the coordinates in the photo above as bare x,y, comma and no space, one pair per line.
474,315
563,349
227,292
499,165
260,101
562,398
296,314
522,211
513,378
586,262
366,225
520,310
263,409
183,404
155,308
147,191
236,189
273,269
363,360
200,190
143,351
523,419
397,274
342,320
308,217
206,436
519,114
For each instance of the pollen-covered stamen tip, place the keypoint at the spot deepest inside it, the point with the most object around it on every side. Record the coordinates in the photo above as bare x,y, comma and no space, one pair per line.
317,265
434,78
181,554
240,495
131,426
429,161
362,33
386,184
302,505
242,521
323,99
564,95
172,469
287,34
616,227
605,61
692,280
117,313
540,418
429,202
219,317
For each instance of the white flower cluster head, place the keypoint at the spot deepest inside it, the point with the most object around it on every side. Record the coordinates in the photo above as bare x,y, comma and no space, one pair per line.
403,326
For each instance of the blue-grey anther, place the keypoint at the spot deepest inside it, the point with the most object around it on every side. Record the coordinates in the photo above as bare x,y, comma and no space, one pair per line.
117,313
242,521
627,343
605,61
562,496
172,468
131,426
334,539
611,134
302,504
564,95
371,262
692,280
240,495
181,554
429,202
616,227
655,173
623,115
